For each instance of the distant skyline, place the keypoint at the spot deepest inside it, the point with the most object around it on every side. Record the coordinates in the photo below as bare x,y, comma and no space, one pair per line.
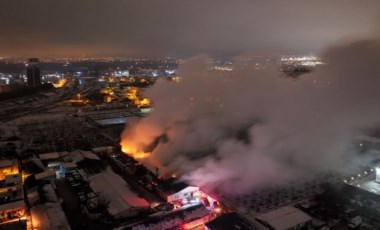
145,28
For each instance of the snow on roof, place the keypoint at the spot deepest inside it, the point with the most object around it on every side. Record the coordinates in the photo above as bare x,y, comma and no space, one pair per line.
69,165
90,155
12,205
50,216
79,155
49,156
233,220
116,190
49,192
57,216
172,220
45,175
177,187
284,217
63,154
6,163
103,149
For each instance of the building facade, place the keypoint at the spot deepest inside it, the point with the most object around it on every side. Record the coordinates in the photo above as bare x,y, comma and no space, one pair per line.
33,72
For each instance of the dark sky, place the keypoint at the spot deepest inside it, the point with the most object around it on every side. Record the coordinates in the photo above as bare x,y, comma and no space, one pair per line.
136,28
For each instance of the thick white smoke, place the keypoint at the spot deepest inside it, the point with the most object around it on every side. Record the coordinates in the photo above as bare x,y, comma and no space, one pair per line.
254,127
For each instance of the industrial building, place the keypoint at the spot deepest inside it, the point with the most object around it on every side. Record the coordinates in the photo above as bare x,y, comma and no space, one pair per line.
188,218
122,201
177,191
285,218
233,221
46,175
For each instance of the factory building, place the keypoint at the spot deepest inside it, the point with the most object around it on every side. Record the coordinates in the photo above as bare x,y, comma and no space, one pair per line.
122,201
189,218
177,191
233,221
285,218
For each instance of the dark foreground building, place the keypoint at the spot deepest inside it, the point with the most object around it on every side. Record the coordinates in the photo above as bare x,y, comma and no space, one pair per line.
33,72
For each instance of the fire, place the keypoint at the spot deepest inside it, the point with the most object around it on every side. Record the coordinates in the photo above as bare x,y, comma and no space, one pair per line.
137,137
133,151
140,155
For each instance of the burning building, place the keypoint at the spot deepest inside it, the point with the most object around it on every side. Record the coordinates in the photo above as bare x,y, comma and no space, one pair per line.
122,201
234,221
12,205
178,192
188,218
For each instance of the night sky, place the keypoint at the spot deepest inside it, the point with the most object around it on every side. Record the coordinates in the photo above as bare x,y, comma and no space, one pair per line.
180,28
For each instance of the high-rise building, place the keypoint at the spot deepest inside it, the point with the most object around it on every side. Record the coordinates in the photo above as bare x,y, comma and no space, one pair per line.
33,72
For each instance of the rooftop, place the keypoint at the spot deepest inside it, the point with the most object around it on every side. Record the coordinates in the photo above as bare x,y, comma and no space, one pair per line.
175,218
12,205
49,216
171,188
49,156
6,163
79,155
367,183
116,190
284,217
233,221
45,175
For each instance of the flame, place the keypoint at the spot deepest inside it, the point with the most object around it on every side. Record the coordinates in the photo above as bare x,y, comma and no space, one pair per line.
136,137
140,155
133,151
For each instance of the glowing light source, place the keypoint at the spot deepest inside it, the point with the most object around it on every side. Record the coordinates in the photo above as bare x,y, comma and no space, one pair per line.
377,174
60,83
133,151
218,210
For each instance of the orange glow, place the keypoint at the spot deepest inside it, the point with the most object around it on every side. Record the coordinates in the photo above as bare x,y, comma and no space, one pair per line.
60,83
140,155
9,170
133,151
142,102
136,137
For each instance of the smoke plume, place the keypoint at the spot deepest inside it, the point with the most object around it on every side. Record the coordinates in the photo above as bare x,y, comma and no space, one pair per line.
251,128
